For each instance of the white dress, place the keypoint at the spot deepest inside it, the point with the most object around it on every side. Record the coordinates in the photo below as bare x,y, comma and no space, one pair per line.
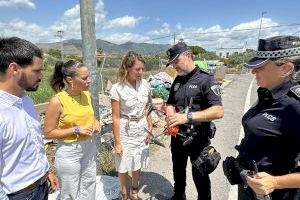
132,132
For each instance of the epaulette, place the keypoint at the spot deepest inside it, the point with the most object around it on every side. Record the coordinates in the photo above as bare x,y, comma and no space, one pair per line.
295,90
203,71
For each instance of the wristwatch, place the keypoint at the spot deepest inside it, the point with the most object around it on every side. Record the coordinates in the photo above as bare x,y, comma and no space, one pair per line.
189,117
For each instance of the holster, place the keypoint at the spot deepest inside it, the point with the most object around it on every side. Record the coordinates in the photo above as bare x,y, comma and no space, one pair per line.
231,170
207,161
212,131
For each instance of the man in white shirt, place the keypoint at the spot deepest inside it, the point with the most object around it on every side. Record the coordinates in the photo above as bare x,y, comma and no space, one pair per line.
23,163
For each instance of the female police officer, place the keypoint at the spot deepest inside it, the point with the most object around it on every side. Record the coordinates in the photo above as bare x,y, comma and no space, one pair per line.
272,133
205,106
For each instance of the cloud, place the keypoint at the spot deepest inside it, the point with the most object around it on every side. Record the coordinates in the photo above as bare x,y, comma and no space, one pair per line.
125,21
119,38
178,26
73,12
22,29
112,30
100,13
164,29
17,4
242,34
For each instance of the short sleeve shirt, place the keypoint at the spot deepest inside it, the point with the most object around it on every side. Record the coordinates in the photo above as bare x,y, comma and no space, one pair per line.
199,86
132,100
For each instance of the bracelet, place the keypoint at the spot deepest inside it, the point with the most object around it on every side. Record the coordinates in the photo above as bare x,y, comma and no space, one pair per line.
76,130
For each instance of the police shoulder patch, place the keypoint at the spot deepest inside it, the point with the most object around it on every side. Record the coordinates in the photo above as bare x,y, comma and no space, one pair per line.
216,89
296,90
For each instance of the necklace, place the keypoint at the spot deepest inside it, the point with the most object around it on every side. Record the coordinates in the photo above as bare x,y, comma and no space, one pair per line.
75,98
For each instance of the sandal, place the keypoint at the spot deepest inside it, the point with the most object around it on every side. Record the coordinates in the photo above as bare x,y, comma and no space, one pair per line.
135,193
124,196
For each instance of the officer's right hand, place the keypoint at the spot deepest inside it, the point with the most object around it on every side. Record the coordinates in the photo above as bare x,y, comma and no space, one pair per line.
177,119
118,149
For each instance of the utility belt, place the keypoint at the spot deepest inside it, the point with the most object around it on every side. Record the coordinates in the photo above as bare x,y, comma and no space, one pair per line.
232,169
198,131
236,173
132,117
37,183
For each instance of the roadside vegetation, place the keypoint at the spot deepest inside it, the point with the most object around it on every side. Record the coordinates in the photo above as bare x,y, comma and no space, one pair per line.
234,65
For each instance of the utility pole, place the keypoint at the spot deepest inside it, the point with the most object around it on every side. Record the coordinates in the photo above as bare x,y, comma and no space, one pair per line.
262,15
60,35
174,38
88,34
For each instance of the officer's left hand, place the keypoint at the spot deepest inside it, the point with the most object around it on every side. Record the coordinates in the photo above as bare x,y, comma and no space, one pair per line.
177,119
262,183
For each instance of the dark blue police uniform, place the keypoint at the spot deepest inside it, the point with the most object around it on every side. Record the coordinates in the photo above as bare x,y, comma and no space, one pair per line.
272,136
199,86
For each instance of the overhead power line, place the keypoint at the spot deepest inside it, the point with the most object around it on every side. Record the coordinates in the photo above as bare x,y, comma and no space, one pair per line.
246,29
224,31
157,38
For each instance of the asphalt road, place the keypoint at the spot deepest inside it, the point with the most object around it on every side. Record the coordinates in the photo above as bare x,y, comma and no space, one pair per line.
157,180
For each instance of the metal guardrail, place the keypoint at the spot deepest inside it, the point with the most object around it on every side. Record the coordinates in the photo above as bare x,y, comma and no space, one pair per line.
41,108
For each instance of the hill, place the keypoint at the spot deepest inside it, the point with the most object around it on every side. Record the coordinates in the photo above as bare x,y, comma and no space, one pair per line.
73,46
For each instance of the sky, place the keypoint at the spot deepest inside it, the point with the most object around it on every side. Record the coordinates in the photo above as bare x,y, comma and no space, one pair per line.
210,24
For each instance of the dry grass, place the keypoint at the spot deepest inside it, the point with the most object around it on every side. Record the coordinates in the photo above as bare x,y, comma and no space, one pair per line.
106,161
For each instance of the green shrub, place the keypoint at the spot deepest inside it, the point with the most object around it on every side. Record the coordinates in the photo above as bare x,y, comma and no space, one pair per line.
42,95
106,161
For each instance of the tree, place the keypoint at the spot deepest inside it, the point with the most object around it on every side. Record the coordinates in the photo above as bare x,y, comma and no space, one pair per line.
240,58
197,50
209,56
55,53
203,54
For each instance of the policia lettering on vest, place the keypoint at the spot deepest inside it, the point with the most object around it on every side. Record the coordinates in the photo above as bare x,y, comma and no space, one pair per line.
271,126
197,99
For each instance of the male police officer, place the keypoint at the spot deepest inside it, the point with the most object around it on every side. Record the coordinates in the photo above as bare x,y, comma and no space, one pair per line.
198,90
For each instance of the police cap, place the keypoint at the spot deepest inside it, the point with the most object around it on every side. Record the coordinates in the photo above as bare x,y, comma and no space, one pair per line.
272,48
175,51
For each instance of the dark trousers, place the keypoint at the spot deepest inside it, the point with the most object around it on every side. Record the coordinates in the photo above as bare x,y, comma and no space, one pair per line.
38,193
180,156
245,193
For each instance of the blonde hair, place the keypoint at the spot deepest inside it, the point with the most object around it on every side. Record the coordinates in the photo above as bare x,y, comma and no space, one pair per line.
128,62
295,60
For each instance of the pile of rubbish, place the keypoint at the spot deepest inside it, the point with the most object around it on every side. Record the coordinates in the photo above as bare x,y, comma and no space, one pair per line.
160,85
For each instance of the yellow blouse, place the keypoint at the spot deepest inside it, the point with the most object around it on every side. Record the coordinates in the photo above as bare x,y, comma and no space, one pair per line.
77,111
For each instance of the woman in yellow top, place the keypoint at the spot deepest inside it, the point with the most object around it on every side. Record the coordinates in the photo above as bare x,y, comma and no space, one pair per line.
70,119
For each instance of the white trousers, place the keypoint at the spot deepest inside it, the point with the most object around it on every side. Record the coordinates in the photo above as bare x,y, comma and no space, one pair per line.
76,169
